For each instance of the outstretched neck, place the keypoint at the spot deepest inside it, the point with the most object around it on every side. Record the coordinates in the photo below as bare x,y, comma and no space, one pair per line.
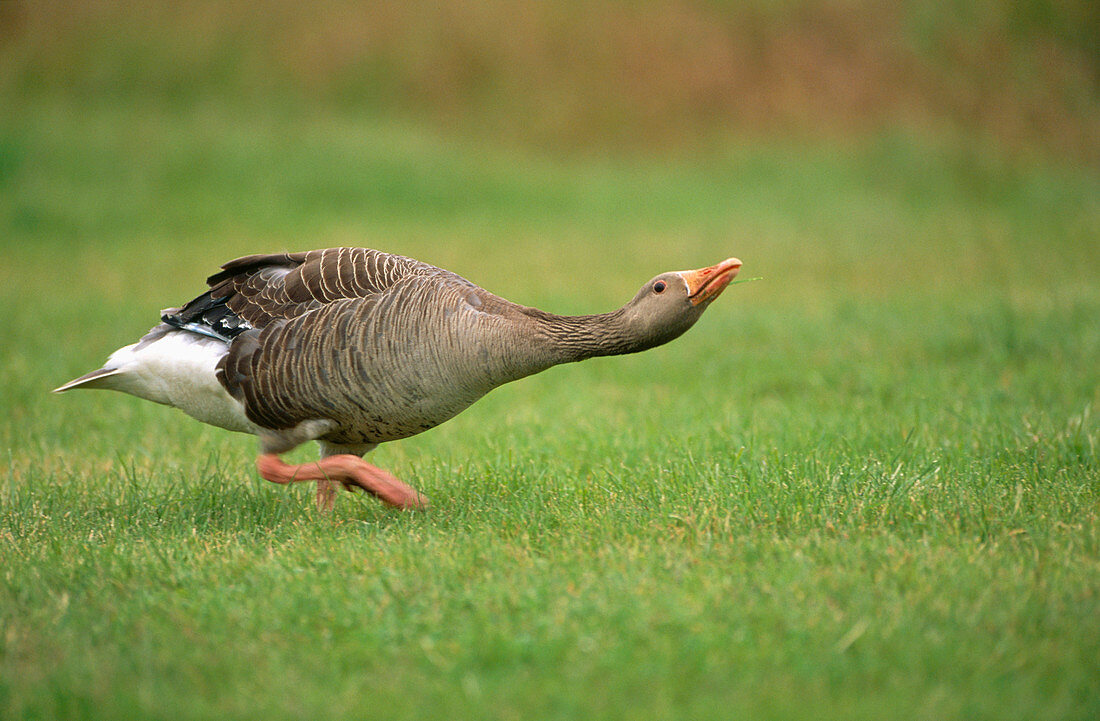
572,338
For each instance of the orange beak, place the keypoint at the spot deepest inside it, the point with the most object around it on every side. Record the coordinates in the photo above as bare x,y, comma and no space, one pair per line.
706,284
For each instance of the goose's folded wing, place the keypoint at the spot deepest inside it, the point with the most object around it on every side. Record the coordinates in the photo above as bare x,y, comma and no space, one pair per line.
253,291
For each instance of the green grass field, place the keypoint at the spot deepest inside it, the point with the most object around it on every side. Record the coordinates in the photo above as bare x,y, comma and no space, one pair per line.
865,487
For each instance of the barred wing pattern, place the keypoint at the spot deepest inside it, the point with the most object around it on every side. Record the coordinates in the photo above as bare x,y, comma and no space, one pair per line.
253,291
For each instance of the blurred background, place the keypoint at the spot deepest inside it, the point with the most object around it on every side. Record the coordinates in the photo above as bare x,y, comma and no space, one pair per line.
689,129
598,77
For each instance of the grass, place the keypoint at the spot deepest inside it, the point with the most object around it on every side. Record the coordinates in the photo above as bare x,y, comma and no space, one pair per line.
864,487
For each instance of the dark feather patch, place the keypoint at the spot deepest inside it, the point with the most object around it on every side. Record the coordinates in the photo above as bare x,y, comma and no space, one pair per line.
208,315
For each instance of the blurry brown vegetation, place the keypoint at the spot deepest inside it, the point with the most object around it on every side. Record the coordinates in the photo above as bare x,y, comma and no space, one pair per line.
594,74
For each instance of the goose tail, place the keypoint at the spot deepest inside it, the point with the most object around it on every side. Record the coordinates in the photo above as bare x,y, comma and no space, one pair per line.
102,378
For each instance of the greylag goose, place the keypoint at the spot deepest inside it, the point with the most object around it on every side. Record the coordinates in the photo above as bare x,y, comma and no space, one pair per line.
353,347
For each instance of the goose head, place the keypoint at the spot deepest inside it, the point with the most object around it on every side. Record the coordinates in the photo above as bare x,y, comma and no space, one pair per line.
670,303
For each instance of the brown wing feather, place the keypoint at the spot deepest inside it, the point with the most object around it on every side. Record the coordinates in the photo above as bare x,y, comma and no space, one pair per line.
312,317
263,288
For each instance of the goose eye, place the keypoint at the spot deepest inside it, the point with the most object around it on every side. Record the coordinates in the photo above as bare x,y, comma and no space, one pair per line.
659,287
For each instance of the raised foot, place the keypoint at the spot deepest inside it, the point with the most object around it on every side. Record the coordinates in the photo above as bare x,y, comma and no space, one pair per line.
350,471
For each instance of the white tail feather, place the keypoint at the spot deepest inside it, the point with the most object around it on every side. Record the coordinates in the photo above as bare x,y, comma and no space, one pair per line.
176,368
102,378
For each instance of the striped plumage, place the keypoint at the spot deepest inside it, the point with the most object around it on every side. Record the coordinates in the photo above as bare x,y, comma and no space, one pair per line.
353,347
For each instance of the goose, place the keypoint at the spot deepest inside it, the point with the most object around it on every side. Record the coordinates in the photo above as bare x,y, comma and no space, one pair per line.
353,347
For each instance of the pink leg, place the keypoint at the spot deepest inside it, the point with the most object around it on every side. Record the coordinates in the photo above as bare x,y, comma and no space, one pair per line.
347,469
